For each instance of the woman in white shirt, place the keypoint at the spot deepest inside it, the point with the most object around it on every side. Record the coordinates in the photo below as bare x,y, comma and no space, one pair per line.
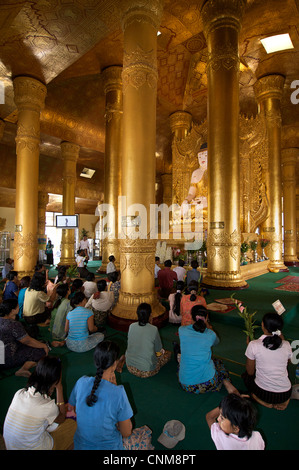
34,421
266,374
101,303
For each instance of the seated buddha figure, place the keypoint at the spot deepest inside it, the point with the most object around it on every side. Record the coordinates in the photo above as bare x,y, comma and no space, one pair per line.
198,191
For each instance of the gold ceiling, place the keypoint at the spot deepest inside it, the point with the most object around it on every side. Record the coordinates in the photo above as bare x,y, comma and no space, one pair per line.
67,43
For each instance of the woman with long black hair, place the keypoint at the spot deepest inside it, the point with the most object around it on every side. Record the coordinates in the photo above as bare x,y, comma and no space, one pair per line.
266,374
102,407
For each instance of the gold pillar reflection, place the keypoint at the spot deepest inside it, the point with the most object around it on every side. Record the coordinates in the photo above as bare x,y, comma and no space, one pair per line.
289,160
69,153
43,199
268,91
29,96
140,21
113,148
222,23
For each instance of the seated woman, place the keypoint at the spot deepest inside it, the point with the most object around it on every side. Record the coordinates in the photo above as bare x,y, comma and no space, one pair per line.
145,355
266,366
82,333
11,289
76,286
188,301
101,303
34,421
198,371
90,286
24,284
20,349
175,303
102,407
34,308
58,315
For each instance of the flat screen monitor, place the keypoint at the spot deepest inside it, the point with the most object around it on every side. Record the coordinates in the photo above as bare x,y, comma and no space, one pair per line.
67,221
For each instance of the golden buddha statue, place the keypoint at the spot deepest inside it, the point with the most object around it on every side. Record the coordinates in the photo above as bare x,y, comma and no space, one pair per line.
198,192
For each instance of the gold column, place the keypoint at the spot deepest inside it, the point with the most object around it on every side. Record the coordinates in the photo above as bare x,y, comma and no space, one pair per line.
43,199
268,91
180,124
140,21
2,127
70,154
290,157
29,96
167,188
222,23
113,148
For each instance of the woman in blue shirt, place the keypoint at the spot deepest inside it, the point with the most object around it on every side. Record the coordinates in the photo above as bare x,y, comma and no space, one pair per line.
24,284
198,371
102,407
82,333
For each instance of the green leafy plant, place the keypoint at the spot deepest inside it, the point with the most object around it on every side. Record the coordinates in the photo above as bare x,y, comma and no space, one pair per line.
248,318
264,242
244,247
84,233
253,245
72,271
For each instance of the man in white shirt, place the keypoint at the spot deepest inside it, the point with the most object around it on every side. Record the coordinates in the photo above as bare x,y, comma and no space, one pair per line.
84,245
180,270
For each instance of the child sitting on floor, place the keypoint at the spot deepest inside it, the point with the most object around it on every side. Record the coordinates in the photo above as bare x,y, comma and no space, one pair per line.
232,425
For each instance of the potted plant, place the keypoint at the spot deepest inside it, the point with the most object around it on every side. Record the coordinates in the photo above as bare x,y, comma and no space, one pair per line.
253,246
72,271
248,319
244,249
264,242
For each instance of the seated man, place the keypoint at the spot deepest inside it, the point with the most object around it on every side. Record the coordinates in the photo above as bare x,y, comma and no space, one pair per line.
193,274
166,278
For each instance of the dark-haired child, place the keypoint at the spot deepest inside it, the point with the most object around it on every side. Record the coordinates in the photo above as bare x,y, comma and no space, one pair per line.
34,421
232,425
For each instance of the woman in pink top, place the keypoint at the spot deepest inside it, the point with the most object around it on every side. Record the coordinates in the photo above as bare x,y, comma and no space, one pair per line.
266,374
188,301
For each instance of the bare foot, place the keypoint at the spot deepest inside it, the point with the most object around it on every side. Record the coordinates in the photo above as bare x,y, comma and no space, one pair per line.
24,371
57,344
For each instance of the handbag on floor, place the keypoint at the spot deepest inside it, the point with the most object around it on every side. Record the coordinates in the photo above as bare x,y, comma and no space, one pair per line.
140,439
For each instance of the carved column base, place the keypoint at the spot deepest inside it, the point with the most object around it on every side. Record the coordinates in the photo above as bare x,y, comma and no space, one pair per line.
124,313
276,266
224,280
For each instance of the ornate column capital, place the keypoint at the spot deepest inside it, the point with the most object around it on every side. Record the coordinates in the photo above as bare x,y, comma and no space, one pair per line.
269,86
222,13
43,199
29,94
112,78
143,11
69,151
180,120
289,156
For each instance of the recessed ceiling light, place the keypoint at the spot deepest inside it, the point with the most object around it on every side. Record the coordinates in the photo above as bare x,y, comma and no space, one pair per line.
280,42
87,173
158,33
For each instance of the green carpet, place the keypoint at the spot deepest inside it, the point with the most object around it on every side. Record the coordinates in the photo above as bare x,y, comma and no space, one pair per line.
159,399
